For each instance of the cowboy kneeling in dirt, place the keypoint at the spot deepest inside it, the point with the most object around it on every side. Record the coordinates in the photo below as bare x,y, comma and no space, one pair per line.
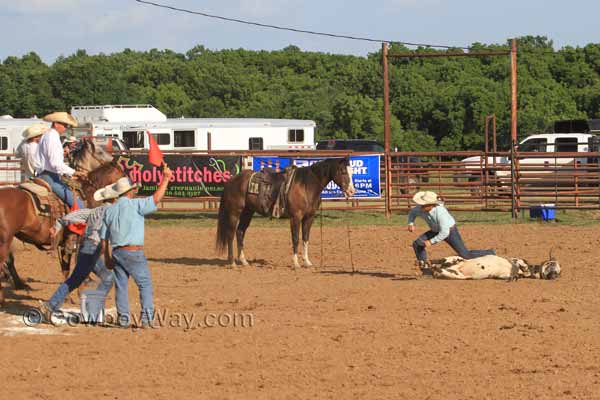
442,226
123,228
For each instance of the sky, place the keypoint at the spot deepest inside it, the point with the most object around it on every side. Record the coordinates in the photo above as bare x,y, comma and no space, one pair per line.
52,28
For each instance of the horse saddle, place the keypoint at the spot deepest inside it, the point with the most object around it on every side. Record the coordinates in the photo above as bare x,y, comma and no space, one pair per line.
46,203
266,185
271,187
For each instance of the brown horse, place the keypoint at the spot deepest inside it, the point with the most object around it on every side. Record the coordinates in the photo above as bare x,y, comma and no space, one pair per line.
18,216
303,200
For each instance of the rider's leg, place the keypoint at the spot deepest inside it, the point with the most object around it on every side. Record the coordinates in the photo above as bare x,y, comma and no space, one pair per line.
60,189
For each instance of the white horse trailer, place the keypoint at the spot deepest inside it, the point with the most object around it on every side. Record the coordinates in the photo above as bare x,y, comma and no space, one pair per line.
11,135
130,124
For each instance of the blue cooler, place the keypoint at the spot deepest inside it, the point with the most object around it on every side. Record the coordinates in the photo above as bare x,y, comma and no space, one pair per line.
545,212
92,306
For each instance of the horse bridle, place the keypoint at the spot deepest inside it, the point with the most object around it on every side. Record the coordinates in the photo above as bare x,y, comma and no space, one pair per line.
94,156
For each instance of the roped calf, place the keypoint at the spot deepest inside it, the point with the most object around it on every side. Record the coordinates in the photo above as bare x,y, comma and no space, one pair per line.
493,267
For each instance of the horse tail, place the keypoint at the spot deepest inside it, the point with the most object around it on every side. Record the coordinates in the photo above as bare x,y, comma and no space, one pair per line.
222,226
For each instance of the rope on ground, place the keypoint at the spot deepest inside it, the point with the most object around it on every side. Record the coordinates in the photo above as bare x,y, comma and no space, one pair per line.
321,218
349,245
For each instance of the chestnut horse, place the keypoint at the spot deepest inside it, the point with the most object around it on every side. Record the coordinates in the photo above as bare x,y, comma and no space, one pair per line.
303,200
18,216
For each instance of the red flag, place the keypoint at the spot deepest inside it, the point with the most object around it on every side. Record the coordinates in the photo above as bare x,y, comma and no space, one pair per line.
155,156
76,228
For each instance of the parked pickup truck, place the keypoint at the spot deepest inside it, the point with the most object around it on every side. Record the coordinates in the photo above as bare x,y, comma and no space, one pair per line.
542,143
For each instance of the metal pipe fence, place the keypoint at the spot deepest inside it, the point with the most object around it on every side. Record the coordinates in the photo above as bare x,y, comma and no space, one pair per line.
466,180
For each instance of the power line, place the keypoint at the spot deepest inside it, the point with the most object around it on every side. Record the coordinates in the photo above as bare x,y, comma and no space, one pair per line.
283,28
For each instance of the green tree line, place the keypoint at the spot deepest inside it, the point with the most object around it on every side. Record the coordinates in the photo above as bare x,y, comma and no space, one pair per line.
436,103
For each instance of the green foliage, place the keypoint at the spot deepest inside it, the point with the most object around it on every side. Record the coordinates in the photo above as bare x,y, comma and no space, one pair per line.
435,103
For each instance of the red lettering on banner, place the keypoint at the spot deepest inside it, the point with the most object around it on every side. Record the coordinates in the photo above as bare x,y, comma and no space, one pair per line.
182,174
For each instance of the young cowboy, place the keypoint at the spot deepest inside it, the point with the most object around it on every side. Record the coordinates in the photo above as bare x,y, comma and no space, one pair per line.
88,259
50,159
442,226
27,149
123,227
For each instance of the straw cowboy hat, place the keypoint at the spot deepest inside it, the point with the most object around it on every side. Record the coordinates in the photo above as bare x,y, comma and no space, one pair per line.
123,185
425,198
61,117
34,131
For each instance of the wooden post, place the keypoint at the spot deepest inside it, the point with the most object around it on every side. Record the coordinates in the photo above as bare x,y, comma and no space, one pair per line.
513,127
386,130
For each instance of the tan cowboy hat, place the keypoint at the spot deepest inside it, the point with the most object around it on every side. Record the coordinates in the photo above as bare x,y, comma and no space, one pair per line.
34,131
425,198
123,185
61,117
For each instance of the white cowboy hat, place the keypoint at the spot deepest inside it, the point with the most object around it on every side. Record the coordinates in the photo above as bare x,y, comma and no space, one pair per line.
69,139
61,117
35,130
123,185
425,198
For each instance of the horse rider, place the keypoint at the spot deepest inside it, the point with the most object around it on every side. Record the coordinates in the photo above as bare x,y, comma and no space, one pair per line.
68,145
89,257
123,228
442,227
51,164
27,149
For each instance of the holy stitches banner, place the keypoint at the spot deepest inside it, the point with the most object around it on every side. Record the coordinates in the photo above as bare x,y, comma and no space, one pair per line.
193,175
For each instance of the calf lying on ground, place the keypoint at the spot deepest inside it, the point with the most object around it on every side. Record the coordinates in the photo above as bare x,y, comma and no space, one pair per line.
493,267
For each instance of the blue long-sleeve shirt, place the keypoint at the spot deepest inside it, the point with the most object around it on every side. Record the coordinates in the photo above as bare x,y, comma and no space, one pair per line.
438,219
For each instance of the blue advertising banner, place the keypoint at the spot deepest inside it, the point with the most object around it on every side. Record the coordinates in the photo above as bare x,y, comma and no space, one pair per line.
365,173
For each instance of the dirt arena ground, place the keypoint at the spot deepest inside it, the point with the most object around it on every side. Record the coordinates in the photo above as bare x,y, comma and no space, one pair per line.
324,333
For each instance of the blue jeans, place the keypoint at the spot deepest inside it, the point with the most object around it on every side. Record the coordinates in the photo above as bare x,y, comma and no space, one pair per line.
454,240
59,188
134,264
86,263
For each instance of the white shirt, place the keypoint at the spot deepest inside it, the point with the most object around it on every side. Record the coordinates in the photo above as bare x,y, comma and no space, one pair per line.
27,152
50,155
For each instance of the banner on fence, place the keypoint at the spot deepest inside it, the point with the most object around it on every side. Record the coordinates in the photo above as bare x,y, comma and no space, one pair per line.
193,175
365,173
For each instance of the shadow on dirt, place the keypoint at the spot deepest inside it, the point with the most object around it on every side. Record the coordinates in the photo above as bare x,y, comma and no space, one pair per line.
374,274
214,262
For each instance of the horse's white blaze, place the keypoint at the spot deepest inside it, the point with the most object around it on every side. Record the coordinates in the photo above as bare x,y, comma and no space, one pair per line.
351,190
307,262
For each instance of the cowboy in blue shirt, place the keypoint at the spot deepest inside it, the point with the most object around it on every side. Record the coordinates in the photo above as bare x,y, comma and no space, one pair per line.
442,227
123,227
